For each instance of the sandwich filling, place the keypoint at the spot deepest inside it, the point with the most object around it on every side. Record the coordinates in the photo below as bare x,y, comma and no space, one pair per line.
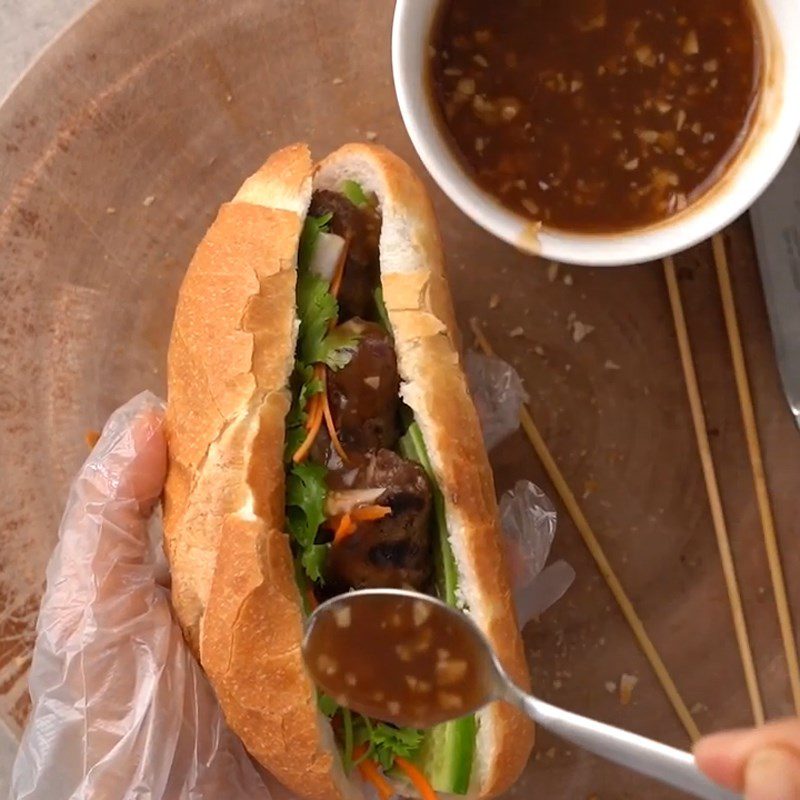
362,506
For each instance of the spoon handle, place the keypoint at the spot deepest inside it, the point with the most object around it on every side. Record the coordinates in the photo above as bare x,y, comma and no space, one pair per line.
666,764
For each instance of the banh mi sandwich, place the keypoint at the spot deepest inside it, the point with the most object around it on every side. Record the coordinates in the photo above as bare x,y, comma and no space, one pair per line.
321,439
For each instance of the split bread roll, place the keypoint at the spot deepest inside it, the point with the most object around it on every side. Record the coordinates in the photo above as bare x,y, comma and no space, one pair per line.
231,355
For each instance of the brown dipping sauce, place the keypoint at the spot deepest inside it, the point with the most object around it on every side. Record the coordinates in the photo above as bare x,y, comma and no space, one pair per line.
397,660
596,115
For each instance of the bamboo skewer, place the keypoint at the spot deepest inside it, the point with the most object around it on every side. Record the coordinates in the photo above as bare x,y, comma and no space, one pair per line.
712,489
757,466
593,545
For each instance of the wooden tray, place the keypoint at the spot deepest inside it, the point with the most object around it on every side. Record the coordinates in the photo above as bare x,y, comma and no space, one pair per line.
117,149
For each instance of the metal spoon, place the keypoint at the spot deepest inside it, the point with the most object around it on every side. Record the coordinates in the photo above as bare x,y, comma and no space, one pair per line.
386,653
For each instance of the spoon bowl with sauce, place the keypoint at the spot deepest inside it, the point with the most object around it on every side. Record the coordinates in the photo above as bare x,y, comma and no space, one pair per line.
409,659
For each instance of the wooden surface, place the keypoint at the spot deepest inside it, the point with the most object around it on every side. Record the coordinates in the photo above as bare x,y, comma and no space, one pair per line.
178,102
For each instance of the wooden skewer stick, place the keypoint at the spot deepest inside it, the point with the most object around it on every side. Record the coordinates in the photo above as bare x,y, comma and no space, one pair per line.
757,466
593,544
712,489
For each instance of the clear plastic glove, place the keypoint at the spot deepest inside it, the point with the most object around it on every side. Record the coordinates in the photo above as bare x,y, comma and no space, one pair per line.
529,520
764,762
528,517
120,707
498,395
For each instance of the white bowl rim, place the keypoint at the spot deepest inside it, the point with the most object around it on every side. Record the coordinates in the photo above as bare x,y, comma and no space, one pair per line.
716,210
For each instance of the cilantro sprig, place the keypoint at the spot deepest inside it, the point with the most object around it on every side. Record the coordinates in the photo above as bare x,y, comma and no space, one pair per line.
384,742
355,193
319,342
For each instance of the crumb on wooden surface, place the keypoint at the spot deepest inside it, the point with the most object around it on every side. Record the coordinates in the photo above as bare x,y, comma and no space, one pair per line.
92,437
627,683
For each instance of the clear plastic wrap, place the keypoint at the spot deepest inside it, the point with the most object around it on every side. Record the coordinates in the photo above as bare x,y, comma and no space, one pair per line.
498,394
527,515
529,526
120,707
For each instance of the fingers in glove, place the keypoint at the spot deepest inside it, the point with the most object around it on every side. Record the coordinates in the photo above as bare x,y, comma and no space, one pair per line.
103,543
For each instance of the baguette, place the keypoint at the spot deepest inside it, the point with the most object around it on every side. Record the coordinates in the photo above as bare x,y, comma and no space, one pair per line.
231,357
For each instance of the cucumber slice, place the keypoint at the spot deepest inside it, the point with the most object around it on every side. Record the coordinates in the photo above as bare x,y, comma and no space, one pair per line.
447,754
412,447
448,751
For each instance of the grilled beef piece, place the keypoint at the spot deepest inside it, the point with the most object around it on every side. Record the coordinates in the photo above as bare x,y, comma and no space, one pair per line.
394,551
361,227
364,395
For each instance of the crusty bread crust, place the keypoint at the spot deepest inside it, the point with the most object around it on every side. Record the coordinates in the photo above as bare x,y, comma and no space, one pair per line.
233,590
230,358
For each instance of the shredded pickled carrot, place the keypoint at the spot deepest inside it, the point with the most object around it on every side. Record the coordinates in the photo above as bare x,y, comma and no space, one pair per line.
326,412
370,772
315,412
347,524
417,778
370,513
313,424
318,406
345,527
336,283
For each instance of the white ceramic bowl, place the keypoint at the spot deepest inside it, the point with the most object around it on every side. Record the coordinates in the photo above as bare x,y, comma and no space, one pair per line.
774,131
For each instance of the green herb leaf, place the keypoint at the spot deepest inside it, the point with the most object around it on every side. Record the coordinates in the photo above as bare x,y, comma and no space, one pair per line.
312,228
295,437
363,733
412,447
297,416
389,742
327,705
380,307
316,308
338,347
347,750
305,512
313,561
305,501
354,192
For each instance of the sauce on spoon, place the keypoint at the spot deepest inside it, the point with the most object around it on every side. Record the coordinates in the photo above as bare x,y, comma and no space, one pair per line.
397,656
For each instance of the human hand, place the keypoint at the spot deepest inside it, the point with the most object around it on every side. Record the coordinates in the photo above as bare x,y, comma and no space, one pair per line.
764,762
120,707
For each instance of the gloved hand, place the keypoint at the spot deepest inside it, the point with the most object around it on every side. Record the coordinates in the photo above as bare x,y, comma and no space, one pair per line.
120,707
764,763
